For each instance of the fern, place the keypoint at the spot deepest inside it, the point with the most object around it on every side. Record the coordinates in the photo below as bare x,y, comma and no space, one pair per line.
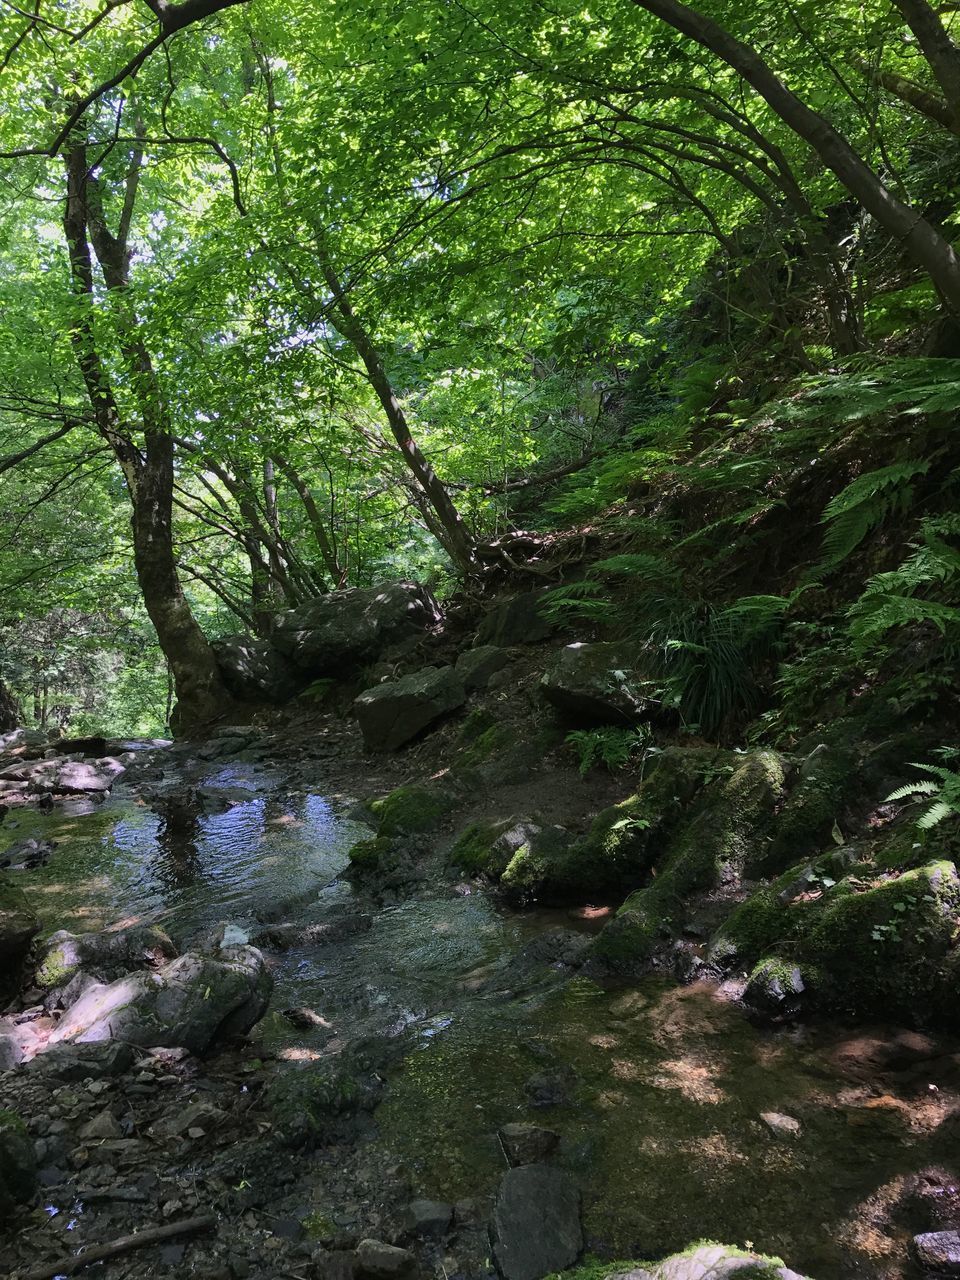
613,748
865,389
893,599
865,503
946,790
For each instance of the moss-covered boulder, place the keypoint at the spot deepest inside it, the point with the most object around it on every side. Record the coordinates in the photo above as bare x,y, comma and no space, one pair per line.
824,784
873,942
705,1260
107,954
412,809
732,818
370,855
884,946
18,1166
478,849
311,1105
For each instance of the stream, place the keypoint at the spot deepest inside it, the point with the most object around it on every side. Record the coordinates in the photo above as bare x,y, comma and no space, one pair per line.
826,1145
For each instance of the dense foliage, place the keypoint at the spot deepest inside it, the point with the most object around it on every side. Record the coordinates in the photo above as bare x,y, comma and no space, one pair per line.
303,296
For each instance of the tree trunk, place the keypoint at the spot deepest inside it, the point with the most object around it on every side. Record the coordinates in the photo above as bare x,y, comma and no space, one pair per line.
10,713
323,539
938,49
201,695
923,242
450,531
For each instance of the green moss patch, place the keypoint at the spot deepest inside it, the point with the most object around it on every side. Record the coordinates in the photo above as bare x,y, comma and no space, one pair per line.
411,809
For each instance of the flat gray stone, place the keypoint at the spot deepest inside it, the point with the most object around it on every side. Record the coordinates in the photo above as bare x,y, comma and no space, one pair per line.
392,713
939,1251
536,1222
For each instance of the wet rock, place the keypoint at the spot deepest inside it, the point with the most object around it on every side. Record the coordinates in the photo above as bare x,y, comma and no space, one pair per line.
596,684
429,1217
518,620
71,1063
476,666
775,990
280,937
106,955
191,1002
527,1143
392,713
62,774
27,854
18,1163
712,1262
380,1261
90,746
346,628
536,1222
782,1126
939,1252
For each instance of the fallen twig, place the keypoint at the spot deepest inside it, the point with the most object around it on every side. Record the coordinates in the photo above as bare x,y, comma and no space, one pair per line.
123,1244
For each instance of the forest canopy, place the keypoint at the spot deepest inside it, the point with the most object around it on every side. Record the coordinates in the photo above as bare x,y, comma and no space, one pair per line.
304,296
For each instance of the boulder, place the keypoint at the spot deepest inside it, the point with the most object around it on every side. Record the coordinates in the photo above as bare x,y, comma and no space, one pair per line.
518,620
107,955
711,1262
775,990
191,1002
536,1222
63,774
392,713
476,666
343,629
597,684
939,1252
254,671
18,1165
11,1050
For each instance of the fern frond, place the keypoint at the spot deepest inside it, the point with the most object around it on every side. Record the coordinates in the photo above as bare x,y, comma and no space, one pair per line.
936,813
865,503
912,789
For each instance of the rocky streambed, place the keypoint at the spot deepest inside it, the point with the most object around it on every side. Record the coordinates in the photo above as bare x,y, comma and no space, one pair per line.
327,1076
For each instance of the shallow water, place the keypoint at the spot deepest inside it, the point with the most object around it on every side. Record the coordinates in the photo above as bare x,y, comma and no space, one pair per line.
657,1091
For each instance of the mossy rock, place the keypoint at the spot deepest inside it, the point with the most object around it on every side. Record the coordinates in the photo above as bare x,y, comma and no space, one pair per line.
412,809
474,850
18,1165
479,721
699,1261
827,780
305,1106
369,855
623,839
626,944
870,944
886,949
